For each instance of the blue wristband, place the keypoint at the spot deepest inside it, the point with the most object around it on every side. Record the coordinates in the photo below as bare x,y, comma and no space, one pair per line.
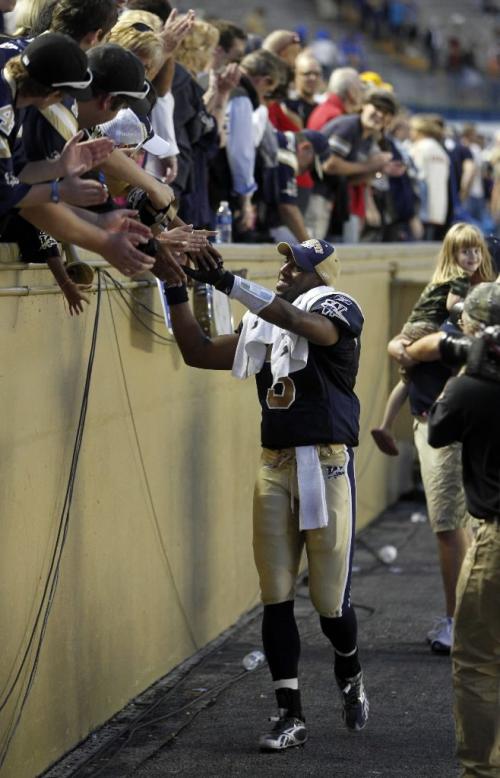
54,191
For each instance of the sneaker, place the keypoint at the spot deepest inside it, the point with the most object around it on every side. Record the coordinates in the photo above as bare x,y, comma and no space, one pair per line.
440,636
288,731
355,702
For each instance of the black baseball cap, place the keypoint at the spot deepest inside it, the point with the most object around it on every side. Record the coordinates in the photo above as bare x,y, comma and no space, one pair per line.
57,61
120,73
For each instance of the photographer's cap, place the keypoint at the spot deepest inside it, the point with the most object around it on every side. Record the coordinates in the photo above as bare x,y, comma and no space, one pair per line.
57,61
483,303
120,73
314,256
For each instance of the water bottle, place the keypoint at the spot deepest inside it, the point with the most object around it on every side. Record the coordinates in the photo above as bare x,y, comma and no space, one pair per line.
224,223
253,660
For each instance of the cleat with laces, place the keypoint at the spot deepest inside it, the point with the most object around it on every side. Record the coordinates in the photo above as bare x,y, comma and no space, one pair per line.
355,702
440,636
288,731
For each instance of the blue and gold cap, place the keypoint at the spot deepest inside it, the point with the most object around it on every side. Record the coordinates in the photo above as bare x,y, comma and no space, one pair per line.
314,256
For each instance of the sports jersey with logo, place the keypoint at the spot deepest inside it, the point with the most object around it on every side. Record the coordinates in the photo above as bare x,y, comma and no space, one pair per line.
317,404
11,120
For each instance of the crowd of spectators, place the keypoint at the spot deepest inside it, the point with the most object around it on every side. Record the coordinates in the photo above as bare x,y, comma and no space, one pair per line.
198,111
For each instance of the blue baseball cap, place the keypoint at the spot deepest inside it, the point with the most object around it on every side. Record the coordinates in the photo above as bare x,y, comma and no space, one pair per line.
314,256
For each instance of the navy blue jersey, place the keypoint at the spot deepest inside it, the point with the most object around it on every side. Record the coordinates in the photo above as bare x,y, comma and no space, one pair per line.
46,132
287,167
11,189
317,404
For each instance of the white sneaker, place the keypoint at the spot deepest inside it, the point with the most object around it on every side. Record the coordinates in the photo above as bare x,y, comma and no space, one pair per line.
440,636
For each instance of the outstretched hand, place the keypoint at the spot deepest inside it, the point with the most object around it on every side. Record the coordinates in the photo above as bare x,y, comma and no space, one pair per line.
77,158
123,220
216,276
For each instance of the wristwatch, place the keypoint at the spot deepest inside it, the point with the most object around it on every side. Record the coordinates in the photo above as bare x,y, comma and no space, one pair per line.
54,191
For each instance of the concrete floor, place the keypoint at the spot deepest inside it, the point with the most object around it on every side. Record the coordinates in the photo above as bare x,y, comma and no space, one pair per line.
205,718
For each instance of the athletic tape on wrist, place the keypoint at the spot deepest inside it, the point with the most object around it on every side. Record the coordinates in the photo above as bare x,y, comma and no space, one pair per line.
252,296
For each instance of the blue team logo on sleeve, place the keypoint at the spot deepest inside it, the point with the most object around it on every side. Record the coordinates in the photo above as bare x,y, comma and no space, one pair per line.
343,309
334,309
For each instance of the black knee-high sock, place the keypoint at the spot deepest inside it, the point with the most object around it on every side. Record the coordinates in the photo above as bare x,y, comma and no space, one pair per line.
281,640
342,632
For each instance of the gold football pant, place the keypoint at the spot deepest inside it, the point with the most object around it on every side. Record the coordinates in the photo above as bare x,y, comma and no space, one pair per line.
476,657
278,542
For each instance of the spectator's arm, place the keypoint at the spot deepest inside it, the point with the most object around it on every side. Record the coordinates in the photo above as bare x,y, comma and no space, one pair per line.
337,166
469,170
240,148
426,349
122,167
292,218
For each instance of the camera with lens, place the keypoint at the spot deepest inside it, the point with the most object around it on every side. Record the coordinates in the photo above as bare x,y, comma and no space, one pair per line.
479,353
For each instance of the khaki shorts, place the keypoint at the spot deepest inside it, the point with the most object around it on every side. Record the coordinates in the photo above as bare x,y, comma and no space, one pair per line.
278,542
441,470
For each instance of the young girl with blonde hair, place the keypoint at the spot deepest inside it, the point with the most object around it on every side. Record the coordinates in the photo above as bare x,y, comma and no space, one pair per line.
463,261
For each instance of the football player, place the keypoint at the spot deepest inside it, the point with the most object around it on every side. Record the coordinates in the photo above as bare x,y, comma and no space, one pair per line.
302,345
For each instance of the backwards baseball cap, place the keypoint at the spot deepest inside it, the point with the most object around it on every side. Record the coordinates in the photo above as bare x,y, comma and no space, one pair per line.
127,129
483,303
314,256
383,100
120,73
56,61
321,148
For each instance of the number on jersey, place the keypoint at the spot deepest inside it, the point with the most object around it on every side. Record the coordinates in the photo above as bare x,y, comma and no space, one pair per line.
282,395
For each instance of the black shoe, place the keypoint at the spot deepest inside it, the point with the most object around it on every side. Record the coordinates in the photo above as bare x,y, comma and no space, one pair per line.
355,701
288,731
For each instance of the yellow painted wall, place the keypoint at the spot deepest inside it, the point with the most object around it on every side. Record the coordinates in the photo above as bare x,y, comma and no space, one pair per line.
158,558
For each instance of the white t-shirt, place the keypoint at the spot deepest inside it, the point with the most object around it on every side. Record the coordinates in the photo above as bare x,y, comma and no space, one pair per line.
433,168
163,124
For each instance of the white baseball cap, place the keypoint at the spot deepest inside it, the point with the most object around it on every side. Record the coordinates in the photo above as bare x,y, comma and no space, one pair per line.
126,129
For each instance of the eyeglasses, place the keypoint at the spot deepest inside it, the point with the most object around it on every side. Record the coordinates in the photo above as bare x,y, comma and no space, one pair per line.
310,73
76,84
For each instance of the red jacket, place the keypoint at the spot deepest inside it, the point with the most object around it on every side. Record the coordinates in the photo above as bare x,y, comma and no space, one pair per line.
330,109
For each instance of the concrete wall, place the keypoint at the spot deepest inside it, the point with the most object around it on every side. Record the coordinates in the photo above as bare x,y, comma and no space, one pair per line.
157,559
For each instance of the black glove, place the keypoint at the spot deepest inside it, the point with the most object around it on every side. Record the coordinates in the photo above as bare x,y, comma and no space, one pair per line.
219,278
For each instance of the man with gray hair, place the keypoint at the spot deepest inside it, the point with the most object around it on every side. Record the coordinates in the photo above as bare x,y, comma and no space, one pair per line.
344,95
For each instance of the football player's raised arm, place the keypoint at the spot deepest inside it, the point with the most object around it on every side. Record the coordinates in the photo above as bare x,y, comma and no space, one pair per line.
197,349
313,326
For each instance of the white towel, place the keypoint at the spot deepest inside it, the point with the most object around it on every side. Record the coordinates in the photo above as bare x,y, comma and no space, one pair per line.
289,352
313,511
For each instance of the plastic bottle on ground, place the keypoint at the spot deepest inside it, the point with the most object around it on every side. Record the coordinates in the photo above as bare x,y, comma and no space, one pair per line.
253,660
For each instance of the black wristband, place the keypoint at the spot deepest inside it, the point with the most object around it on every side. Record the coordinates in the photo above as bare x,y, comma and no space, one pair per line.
176,294
225,283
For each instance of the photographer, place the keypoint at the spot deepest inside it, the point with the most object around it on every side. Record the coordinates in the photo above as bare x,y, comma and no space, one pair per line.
467,411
